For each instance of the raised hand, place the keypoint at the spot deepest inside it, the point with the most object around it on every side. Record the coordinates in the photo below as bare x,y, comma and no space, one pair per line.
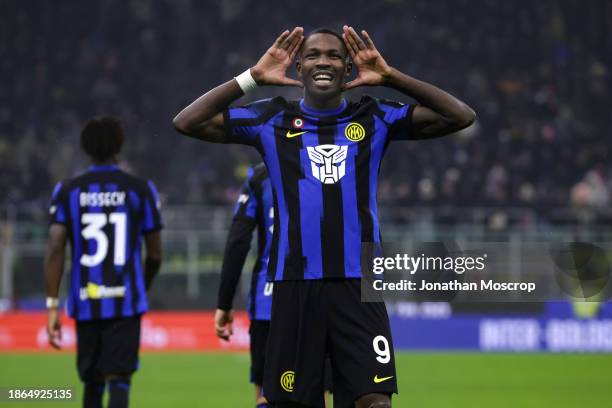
372,69
271,69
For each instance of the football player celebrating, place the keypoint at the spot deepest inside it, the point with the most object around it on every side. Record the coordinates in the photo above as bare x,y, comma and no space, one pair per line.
323,155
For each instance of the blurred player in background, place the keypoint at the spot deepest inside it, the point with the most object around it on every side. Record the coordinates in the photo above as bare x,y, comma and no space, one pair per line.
323,154
105,214
254,209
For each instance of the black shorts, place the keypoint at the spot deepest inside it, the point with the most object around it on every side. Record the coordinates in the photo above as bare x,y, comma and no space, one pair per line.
311,319
107,346
259,337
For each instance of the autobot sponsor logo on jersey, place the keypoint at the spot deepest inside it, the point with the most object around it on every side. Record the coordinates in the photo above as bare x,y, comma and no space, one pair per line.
94,291
328,162
287,380
102,199
354,132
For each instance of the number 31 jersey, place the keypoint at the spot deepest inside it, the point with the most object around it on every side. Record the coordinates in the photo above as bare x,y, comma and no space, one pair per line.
106,212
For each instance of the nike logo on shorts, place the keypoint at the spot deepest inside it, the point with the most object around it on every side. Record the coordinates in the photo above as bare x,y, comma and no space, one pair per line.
379,380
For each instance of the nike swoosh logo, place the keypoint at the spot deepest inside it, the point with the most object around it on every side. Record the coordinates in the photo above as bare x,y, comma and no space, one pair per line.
379,380
290,135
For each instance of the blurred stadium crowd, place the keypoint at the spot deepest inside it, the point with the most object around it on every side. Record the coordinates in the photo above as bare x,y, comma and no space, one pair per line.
537,73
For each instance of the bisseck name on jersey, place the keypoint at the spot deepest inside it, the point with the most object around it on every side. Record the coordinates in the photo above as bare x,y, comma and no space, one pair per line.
102,199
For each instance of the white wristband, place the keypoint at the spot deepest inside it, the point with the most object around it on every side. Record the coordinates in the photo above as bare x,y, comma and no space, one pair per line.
52,303
246,81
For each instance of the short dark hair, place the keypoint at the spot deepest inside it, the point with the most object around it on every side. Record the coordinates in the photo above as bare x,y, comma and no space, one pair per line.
327,30
102,137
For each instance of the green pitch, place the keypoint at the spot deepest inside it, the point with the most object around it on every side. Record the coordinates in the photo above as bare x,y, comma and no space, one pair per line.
425,380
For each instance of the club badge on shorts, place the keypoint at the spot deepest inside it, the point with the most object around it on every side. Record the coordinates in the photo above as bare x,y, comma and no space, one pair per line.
286,380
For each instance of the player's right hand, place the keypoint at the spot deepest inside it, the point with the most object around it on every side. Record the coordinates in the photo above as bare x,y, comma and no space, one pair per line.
271,69
54,329
224,320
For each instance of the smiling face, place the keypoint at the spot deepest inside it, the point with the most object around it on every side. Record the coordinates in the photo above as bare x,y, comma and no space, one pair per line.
323,66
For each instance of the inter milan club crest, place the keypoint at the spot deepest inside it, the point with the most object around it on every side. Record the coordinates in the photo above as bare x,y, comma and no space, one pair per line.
354,132
297,122
287,380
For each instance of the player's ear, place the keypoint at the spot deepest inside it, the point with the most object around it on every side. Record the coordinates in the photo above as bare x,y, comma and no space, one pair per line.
298,67
349,68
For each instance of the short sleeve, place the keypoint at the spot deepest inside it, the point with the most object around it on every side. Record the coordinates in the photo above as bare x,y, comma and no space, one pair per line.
246,206
58,208
152,209
398,117
243,123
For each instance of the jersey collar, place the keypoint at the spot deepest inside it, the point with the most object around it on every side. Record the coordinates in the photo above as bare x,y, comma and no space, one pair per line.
106,167
322,112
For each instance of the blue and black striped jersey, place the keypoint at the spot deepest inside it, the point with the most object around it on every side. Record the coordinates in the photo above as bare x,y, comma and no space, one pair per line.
254,209
323,166
106,212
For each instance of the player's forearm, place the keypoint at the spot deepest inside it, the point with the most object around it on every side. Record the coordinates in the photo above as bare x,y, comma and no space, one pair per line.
455,111
54,267
54,258
233,262
206,107
236,250
152,266
227,290
153,258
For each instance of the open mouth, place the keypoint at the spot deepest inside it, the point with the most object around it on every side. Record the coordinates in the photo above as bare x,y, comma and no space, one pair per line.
323,78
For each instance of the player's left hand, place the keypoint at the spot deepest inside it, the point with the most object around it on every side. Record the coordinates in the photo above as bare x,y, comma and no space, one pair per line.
224,320
372,69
